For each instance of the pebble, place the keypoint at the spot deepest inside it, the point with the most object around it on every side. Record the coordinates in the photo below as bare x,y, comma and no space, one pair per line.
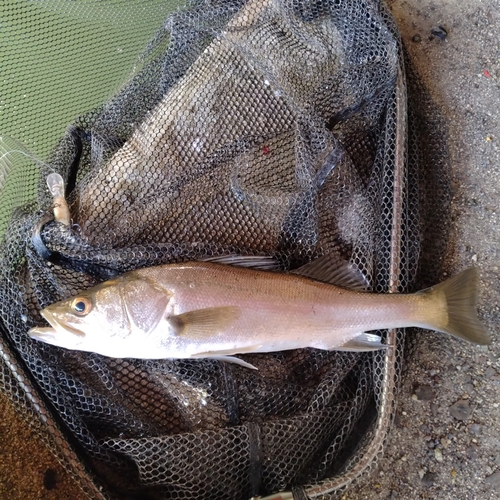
429,479
472,451
494,480
434,409
440,32
424,393
445,442
397,420
475,429
438,454
461,410
469,388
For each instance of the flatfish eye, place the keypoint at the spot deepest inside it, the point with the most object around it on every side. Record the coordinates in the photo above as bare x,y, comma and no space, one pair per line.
81,306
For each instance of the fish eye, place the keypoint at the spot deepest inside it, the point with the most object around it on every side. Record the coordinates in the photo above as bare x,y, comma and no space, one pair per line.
81,306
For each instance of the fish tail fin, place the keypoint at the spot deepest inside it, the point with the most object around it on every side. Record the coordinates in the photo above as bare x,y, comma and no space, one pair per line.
460,293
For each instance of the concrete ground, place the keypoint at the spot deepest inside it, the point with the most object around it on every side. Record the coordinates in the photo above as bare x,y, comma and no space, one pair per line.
445,443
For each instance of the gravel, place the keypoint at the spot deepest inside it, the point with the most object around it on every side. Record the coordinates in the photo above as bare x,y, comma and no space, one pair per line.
494,480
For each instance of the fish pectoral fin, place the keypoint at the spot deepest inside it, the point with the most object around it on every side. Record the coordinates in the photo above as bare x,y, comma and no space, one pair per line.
363,342
332,269
203,323
227,359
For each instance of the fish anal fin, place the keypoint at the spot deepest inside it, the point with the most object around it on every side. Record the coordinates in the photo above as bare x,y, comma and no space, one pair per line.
333,269
363,342
204,323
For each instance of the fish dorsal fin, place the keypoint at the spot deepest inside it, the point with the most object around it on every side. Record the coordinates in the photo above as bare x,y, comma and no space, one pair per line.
204,323
144,303
363,342
332,269
262,262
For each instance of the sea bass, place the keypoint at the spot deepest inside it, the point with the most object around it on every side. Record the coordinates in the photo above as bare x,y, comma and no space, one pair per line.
212,310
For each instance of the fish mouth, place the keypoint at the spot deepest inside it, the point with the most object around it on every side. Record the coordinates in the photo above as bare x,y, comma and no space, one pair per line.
45,334
56,333
58,327
52,336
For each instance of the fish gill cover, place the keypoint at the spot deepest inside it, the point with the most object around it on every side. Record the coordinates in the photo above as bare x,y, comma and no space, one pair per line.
285,128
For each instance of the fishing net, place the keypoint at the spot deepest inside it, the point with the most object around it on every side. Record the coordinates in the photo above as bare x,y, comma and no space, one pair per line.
285,128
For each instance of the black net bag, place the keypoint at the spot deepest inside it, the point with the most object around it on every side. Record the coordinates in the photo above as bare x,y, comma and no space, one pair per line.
282,128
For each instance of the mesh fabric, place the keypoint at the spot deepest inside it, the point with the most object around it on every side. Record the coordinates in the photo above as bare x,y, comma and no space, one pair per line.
284,128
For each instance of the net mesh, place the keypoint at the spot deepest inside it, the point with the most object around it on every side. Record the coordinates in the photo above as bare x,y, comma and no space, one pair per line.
287,128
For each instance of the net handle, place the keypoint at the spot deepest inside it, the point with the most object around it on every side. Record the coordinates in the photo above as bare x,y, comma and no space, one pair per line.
389,378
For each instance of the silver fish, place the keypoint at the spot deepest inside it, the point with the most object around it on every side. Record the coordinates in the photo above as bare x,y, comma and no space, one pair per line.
210,310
